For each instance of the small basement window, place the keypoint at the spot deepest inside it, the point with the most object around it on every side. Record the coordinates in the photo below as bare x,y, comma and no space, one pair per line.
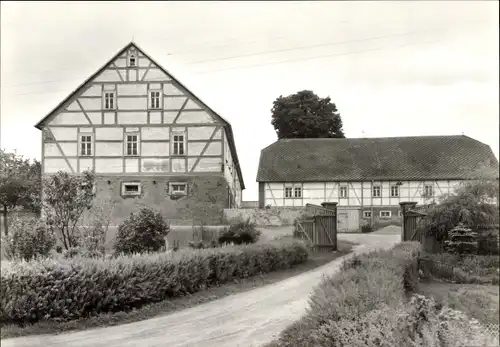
131,189
177,188
367,214
385,214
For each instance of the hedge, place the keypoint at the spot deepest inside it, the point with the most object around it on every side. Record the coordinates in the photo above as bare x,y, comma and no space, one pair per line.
67,289
366,283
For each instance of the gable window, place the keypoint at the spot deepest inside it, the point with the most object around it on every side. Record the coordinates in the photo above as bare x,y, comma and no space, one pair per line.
288,192
132,144
178,144
394,191
154,99
178,188
131,188
367,214
385,214
376,191
429,190
298,192
132,60
85,145
109,100
343,192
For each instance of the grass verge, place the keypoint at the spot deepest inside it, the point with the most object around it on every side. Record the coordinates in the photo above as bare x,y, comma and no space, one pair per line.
175,304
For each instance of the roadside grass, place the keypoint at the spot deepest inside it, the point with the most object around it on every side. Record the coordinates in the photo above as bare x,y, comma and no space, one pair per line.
172,305
475,300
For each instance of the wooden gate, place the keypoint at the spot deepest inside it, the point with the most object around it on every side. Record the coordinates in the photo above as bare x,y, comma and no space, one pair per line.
319,227
411,216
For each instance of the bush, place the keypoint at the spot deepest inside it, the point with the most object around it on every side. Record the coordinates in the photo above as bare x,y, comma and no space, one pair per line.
240,233
367,283
28,239
141,232
366,228
67,289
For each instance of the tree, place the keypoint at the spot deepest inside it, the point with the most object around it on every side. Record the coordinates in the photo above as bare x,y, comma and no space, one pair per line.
306,115
20,184
65,198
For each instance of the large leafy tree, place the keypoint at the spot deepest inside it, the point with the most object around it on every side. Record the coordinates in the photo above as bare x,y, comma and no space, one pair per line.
20,184
306,115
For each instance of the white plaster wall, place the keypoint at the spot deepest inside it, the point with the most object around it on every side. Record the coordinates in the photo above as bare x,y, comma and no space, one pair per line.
53,165
86,164
91,104
155,149
108,165
132,89
135,103
171,89
107,76
152,165
192,117
155,75
132,117
94,90
214,148
104,149
179,165
69,118
201,133
155,133
209,165
173,103
109,134
64,133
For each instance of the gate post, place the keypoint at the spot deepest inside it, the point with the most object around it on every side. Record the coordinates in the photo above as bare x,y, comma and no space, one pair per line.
405,207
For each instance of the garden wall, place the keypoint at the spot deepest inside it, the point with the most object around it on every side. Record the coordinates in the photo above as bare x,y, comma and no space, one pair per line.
274,216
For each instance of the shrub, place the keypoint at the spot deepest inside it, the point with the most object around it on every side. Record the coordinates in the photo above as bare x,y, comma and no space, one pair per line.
240,233
28,239
82,252
377,280
67,289
366,228
141,232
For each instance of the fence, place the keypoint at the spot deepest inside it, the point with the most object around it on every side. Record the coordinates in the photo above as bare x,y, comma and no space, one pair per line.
319,227
180,236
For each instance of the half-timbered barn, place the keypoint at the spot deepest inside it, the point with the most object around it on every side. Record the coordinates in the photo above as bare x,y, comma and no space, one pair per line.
150,141
368,177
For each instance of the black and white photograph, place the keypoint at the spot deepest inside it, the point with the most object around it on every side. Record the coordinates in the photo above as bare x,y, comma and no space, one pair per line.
249,173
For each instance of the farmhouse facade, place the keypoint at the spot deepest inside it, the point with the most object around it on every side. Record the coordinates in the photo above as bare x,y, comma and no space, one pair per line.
369,177
150,141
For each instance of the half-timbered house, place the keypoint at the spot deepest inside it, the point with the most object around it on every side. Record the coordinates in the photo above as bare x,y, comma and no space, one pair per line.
150,141
369,177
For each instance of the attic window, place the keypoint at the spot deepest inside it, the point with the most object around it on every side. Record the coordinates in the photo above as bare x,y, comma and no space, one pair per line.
132,60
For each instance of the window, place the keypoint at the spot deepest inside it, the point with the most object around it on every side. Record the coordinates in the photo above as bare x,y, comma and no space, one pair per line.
131,189
394,191
428,190
288,192
343,192
85,145
178,188
132,143
367,214
385,214
298,192
178,143
109,100
376,191
399,213
132,60
154,99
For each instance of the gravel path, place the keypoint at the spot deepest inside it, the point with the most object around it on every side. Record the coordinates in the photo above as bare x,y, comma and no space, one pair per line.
247,319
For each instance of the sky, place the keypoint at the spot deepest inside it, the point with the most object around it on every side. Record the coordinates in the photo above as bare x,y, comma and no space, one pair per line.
395,68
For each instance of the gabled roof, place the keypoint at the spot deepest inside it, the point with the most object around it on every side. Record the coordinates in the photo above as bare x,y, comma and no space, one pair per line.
389,158
81,87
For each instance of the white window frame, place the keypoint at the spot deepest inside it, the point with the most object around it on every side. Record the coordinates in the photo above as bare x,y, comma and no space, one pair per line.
181,192
126,142
298,189
428,187
382,212
159,104
400,214
105,104
392,191
367,214
346,189
183,143
81,142
289,189
131,193
377,189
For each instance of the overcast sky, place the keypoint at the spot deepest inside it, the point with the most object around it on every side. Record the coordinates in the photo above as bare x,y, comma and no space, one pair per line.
392,68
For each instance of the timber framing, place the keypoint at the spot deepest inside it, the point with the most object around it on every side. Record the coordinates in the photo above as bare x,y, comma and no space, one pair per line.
138,77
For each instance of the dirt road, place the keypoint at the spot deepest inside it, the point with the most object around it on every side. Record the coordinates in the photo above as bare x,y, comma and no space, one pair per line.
247,319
